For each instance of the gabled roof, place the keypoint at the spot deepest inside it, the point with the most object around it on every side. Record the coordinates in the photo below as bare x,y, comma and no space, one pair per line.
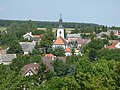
28,34
27,46
82,41
49,55
7,57
113,45
38,36
60,40
67,50
73,36
31,67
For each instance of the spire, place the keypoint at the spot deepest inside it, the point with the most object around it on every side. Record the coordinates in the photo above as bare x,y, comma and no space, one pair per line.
60,20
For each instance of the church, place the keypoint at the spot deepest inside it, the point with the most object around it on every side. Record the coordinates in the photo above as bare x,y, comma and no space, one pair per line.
60,41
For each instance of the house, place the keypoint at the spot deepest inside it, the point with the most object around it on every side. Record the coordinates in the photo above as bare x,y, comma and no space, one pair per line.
48,61
38,37
50,55
81,42
60,42
61,58
68,51
72,37
27,46
7,58
2,51
115,32
30,69
28,36
115,44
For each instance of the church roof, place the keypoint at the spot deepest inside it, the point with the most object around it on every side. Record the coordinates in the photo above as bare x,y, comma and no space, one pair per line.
60,40
60,26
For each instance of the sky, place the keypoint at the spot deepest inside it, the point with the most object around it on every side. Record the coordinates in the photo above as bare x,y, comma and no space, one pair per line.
103,12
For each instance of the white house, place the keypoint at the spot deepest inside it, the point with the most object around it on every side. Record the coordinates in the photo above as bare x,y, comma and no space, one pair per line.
28,36
72,37
68,51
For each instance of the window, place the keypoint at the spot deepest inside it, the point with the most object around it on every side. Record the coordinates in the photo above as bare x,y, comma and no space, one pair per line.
60,33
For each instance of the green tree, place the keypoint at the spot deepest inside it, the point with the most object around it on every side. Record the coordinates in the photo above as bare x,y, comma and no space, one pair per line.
58,51
93,55
15,48
60,68
47,39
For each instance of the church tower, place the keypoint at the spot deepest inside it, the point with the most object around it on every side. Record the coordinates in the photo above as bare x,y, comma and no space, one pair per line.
60,29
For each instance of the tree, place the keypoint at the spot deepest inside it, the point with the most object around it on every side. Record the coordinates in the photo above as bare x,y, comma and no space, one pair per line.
60,68
47,39
58,51
93,55
76,30
95,44
15,48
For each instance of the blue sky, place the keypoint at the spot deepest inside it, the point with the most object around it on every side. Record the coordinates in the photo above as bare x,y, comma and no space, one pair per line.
105,12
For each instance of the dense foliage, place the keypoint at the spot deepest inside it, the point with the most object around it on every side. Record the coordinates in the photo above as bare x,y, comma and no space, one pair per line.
78,75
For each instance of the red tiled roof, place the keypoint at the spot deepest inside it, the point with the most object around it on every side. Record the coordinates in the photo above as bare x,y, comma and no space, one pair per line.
60,40
67,50
49,55
38,36
82,41
112,46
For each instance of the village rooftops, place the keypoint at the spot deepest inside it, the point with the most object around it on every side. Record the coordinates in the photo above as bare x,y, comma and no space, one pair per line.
7,58
38,36
73,36
82,41
60,41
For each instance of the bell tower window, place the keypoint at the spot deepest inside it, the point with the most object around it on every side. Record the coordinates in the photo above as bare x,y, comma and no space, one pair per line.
60,32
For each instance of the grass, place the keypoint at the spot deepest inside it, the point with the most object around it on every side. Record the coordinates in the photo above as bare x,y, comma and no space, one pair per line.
68,30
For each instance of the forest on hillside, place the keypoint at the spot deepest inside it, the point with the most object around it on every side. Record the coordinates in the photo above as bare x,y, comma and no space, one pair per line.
43,24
